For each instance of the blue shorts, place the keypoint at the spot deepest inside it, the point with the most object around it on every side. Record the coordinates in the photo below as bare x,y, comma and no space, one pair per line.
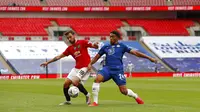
117,75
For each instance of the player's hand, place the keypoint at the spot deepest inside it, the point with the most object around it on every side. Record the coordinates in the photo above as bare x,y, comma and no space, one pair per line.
89,67
44,64
96,45
153,60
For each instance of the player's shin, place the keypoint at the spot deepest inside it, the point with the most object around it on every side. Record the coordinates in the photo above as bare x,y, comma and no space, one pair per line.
95,91
135,96
82,89
131,93
65,90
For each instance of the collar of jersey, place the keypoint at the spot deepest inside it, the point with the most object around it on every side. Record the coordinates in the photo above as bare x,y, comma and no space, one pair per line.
114,44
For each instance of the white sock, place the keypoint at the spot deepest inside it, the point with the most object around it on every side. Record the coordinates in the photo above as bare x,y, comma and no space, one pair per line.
88,94
95,91
131,94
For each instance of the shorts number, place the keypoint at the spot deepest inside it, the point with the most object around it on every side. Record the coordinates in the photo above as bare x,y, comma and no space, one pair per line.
121,76
81,72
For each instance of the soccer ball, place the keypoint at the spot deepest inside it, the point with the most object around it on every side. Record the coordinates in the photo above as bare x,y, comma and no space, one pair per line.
73,91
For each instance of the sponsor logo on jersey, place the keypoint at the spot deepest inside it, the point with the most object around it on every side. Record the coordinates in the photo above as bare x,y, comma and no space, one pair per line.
111,51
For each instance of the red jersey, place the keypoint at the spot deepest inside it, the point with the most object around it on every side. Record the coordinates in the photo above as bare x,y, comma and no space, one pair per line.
79,52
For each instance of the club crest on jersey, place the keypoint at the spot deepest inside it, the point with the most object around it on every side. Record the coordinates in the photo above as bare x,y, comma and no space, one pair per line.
111,51
77,47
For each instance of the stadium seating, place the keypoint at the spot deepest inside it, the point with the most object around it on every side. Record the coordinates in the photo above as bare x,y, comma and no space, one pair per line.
94,27
32,66
3,70
138,2
163,27
186,2
75,2
24,26
97,2
20,2
91,26
183,64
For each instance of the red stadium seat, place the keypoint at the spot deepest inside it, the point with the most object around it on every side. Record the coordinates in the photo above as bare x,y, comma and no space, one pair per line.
131,38
138,2
163,27
20,2
103,38
45,38
93,27
24,26
87,38
28,38
186,2
75,2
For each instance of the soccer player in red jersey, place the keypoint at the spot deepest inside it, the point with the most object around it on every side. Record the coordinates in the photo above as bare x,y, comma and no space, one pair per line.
78,50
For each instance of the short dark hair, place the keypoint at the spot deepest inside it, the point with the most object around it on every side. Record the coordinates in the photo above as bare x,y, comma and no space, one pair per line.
116,33
68,32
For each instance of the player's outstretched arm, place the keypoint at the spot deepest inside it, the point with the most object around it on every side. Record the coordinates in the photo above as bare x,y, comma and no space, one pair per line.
94,60
139,54
52,60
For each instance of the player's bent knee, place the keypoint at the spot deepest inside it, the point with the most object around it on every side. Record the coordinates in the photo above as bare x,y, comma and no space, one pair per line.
75,81
99,79
67,83
123,90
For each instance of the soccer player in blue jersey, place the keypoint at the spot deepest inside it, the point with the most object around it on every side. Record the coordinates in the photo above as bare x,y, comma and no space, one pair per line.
113,68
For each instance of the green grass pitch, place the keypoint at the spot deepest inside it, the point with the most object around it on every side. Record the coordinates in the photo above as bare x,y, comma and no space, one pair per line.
159,94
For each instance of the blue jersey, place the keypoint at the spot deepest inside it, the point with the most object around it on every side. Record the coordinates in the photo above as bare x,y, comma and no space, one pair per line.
114,54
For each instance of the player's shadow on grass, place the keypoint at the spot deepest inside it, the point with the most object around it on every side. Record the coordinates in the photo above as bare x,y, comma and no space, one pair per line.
124,104
74,105
114,104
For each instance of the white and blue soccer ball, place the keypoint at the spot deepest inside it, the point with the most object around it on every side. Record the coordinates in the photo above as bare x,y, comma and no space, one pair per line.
73,91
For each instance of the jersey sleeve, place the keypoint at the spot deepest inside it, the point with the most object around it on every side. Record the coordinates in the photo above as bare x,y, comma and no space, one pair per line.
102,51
127,49
87,43
66,52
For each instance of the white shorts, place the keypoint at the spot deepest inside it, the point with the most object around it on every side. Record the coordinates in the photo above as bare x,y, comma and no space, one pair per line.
82,74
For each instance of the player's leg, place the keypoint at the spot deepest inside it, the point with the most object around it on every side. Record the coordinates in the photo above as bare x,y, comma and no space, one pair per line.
103,76
66,86
80,73
87,94
130,93
81,76
120,80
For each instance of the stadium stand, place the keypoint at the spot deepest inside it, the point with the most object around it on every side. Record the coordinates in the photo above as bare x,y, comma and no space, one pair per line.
163,27
3,70
97,2
31,66
94,27
75,2
91,26
138,2
186,2
24,26
141,64
20,2
183,64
